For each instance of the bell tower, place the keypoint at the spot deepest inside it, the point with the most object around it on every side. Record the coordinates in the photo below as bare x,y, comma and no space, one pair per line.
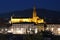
34,12
34,9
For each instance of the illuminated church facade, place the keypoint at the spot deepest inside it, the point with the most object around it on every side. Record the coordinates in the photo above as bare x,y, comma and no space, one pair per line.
35,19
26,28
24,25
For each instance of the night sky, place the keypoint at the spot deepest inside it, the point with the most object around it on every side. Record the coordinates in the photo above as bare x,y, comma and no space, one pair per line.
13,5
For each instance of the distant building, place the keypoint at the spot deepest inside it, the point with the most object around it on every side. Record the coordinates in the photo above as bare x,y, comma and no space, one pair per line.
54,28
34,19
26,25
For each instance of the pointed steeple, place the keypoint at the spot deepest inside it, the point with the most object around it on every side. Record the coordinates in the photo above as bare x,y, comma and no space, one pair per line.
34,11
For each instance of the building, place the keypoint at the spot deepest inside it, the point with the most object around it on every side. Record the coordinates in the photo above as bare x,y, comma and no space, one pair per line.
34,19
54,28
26,25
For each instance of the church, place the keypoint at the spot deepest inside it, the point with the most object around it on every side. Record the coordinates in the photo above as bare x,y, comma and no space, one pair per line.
35,19
26,25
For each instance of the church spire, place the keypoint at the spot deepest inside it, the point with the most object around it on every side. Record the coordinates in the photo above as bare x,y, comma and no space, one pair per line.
34,11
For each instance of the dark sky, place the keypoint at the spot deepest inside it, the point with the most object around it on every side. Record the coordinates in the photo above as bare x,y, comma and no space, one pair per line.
13,5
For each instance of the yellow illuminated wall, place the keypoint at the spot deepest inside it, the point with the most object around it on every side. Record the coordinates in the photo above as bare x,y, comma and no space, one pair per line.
34,19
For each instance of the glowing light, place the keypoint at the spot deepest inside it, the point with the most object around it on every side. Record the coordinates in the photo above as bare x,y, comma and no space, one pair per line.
6,29
41,21
9,31
47,28
58,31
26,20
52,29
10,22
30,29
36,30
18,31
14,20
12,30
